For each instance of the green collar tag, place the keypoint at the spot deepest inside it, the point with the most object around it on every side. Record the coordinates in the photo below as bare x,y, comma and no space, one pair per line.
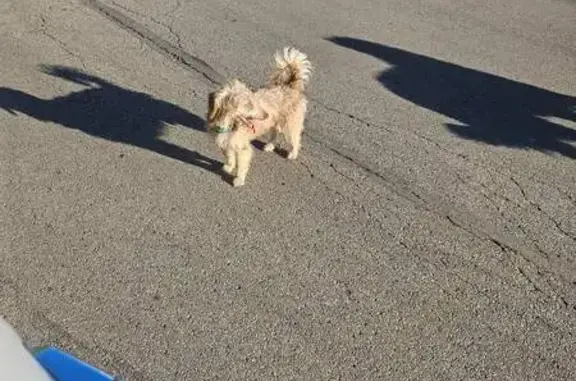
222,129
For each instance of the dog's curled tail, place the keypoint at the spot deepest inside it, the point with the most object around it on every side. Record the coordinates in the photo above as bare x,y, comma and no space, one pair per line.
293,69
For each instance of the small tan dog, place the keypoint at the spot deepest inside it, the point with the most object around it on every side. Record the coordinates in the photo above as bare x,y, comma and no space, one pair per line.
238,115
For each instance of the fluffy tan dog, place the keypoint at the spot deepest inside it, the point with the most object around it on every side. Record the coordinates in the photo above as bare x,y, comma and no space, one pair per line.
238,115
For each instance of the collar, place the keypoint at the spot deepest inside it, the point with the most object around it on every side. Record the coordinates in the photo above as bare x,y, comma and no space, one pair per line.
250,123
222,129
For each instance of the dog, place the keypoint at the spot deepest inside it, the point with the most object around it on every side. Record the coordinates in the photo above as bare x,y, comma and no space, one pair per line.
237,115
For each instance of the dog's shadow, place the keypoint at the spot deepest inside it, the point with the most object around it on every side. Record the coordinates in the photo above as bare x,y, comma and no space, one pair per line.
111,112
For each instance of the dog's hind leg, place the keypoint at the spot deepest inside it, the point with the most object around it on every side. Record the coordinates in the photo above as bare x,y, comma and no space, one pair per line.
294,129
244,158
273,137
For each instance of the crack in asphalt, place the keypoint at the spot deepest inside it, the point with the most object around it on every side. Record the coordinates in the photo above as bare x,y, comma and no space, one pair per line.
556,223
165,25
43,30
179,55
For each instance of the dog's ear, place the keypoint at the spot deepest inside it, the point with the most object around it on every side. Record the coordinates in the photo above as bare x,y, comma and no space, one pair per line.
214,104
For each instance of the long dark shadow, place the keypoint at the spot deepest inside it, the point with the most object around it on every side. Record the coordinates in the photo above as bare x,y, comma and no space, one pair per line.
110,112
489,108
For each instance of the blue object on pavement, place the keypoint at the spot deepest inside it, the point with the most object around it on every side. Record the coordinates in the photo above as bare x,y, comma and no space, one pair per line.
65,367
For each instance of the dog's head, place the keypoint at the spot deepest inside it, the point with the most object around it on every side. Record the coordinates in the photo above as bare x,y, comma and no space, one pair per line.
232,106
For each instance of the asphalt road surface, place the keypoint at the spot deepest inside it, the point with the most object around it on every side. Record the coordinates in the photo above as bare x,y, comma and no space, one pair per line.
427,232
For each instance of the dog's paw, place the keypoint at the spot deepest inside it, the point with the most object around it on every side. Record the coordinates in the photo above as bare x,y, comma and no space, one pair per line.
292,155
228,169
238,182
269,147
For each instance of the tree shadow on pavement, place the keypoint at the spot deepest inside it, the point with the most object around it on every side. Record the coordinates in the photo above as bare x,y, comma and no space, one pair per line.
489,108
110,112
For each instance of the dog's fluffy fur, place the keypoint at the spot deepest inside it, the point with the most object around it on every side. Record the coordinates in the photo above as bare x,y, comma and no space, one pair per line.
246,115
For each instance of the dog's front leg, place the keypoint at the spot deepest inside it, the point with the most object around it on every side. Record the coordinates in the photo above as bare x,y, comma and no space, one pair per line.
244,158
230,165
